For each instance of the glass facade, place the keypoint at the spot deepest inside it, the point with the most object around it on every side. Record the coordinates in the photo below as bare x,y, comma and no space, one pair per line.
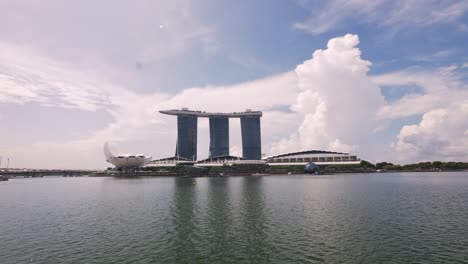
187,137
219,136
187,121
251,138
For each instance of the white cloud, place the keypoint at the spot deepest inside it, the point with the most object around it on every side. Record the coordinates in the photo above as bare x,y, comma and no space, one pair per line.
441,134
441,87
396,15
27,77
338,101
442,54
118,33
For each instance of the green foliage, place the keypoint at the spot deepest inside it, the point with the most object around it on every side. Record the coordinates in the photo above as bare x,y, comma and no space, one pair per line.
437,164
454,165
367,164
341,168
391,166
422,166
381,165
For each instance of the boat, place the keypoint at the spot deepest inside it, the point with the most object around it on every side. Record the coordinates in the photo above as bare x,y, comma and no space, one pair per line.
260,174
3,178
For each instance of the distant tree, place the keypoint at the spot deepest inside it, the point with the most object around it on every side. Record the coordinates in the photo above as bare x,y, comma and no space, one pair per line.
381,165
410,166
367,164
437,164
463,165
425,165
392,167
447,165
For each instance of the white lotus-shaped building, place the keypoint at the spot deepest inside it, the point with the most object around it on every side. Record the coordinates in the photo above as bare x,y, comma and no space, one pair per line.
125,160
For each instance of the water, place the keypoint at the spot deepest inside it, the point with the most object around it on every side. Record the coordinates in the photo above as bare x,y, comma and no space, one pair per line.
373,218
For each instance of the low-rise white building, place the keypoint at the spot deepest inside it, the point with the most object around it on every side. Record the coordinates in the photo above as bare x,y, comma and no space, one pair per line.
318,157
169,162
228,161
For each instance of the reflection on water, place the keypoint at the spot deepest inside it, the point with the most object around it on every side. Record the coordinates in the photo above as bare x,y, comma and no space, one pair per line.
219,221
372,218
183,214
256,242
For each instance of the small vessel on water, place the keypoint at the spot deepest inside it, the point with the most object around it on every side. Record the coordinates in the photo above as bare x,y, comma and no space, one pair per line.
260,174
3,178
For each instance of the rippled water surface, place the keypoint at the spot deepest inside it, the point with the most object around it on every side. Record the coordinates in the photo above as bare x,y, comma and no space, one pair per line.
356,218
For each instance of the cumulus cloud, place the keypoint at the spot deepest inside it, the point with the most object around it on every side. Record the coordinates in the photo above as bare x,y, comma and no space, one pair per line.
395,15
441,134
337,99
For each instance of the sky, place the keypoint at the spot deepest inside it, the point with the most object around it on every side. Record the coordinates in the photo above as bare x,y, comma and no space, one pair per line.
383,79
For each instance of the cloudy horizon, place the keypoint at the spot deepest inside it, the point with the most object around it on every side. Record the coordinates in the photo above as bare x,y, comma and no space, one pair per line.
385,81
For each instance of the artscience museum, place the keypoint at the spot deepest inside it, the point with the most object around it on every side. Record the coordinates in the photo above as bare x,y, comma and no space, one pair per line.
125,161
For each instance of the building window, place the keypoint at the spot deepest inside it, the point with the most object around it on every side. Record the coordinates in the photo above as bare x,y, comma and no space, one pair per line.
300,160
321,158
315,159
307,159
292,160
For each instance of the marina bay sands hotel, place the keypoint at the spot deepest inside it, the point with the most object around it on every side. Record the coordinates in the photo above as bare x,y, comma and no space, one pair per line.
187,121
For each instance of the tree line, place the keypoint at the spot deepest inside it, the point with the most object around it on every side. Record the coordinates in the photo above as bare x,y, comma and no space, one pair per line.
425,166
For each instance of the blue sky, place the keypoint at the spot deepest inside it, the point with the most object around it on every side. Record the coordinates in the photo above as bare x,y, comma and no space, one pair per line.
78,73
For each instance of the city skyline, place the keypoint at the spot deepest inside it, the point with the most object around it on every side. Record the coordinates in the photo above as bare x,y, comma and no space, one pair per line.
386,80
